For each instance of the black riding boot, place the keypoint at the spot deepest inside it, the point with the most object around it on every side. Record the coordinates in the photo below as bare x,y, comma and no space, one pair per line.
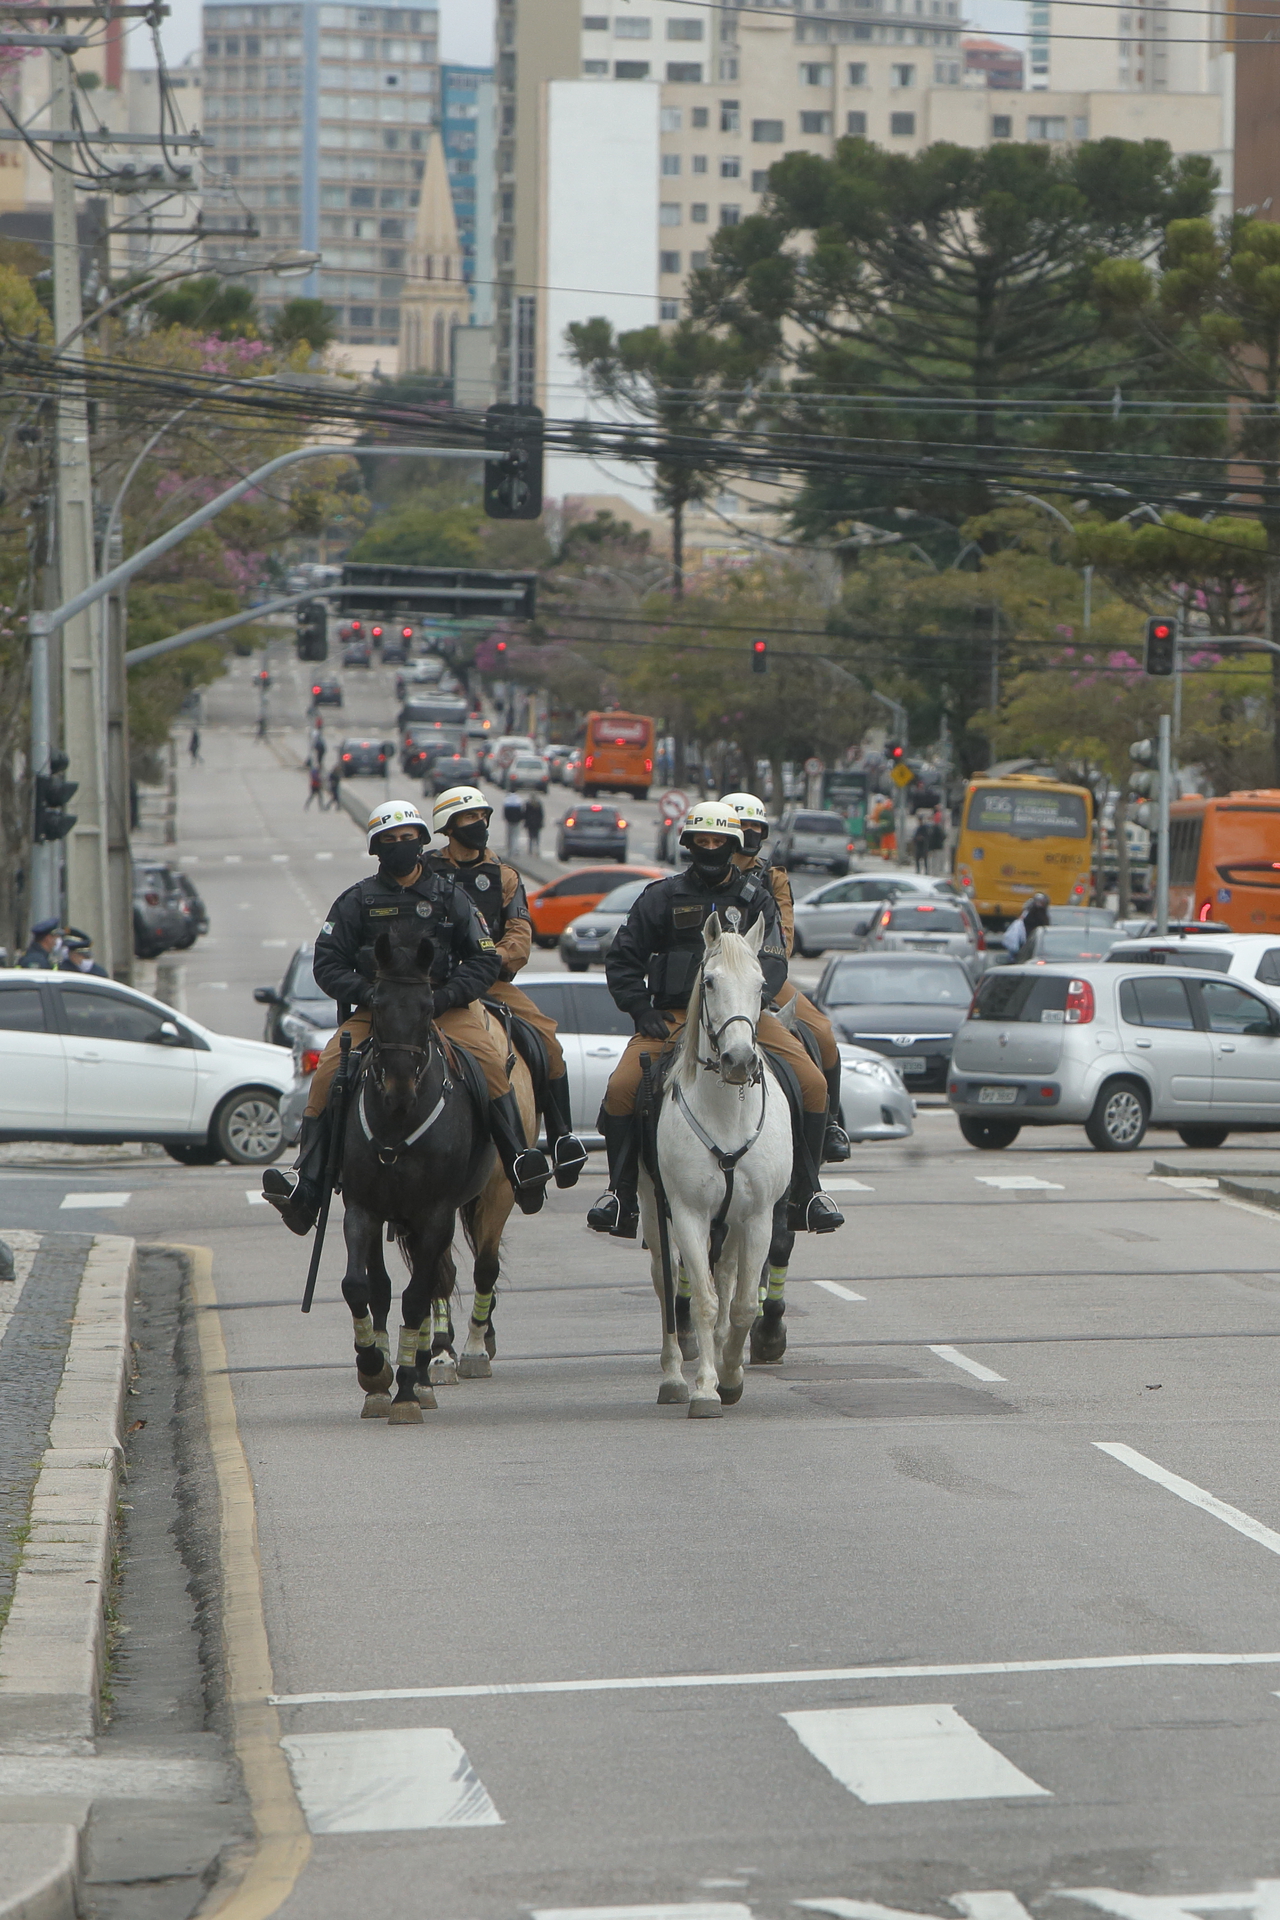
811,1210
835,1141
618,1211
296,1194
527,1168
568,1155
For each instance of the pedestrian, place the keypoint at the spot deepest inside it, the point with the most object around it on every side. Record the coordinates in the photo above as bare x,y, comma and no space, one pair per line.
314,789
920,846
1033,916
533,818
317,745
80,954
46,951
335,781
937,842
513,814
193,746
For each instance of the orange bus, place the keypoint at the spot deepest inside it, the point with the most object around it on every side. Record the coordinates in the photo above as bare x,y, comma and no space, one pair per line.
617,755
1224,860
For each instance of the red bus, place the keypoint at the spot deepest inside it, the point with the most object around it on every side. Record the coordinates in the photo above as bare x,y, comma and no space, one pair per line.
617,755
1224,860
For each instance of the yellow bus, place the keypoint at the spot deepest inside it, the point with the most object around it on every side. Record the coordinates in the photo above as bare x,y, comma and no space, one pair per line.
1022,835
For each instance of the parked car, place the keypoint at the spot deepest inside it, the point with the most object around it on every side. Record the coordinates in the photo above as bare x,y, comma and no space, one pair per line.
875,1104
528,770
807,839
359,754
1116,1049
357,653
590,936
92,1062
840,914
592,831
909,925
162,917
906,1006
450,770
326,693
297,1005
197,914
553,906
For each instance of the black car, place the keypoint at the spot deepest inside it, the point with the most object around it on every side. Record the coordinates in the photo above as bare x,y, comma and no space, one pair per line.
907,1006
296,1004
395,648
357,653
162,914
450,770
326,693
358,755
590,831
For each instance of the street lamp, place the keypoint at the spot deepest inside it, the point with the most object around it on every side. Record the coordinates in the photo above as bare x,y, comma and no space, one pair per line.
291,265
1015,493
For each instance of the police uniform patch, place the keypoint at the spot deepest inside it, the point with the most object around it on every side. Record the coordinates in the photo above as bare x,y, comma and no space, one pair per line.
327,927
382,913
482,884
424,909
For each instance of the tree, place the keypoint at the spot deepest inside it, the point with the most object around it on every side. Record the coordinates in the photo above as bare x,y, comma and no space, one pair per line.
208,304
307,321
685,382
423,536
953,281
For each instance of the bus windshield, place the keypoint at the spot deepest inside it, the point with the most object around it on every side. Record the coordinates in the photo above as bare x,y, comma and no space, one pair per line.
1028,814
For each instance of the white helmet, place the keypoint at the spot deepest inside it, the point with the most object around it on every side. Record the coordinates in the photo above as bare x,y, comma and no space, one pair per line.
749,810
711,816
393,813
457,800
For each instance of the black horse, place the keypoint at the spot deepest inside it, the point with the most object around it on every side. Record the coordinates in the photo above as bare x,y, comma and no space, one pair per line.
415,1149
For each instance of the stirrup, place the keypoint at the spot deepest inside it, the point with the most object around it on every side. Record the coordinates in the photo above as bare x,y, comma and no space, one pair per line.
530,1168
280,1183
610,1215
822,1215
569,1157
835,1142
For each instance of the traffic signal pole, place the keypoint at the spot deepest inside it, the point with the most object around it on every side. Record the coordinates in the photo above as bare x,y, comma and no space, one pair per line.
1162,842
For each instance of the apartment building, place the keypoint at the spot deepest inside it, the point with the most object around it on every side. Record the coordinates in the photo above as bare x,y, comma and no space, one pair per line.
321,116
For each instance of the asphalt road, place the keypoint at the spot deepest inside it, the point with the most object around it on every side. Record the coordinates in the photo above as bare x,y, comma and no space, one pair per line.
948,1615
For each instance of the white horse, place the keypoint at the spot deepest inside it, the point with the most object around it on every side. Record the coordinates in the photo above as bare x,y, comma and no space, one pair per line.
723,1135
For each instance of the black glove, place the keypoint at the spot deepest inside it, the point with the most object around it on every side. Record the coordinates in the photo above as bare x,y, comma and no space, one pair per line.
441,1001
652,1025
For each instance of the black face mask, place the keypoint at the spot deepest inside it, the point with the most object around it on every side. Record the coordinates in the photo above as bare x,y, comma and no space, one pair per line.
474,836
398,860
754,838
710,863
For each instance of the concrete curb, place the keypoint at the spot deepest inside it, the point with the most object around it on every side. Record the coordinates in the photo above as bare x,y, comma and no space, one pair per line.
1263,1193
53,1648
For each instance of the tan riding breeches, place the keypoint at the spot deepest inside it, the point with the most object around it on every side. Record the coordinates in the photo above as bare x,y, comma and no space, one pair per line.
818,1024
467,1026
520,1004
624,1082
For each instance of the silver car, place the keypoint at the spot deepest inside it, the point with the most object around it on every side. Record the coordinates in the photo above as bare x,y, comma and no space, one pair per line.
812,839
927,926
1115,1050
838,916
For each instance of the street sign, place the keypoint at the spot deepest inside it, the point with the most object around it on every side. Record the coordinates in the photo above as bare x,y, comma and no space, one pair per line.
674,804
901,775
815,766
379,588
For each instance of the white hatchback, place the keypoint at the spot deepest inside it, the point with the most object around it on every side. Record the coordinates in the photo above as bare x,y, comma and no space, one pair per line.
91,1062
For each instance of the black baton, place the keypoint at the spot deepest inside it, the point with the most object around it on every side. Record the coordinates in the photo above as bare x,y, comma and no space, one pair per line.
338,1105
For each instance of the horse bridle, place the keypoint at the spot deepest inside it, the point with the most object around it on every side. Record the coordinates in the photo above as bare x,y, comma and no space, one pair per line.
389,1155
715,1037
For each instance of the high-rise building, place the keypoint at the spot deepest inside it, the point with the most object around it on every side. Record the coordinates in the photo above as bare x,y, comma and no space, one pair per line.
466,126
321,116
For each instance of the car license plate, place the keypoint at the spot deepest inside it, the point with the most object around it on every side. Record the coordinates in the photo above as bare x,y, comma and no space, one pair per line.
587,946
997,1096
912,1063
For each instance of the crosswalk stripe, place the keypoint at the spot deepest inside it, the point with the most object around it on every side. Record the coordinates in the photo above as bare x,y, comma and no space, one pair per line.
841,1292
387,1781
844,1186
958,1359
693,1910
71,1202
1018,1182
888,1756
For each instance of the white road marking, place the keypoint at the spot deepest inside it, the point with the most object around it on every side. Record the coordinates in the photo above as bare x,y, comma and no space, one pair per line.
279,858
232,859
846,1186
1185,1182
1193,1495
1017,1182
255,1198
889,1756
790,1677
841,1293
275,943
324,856
72,1201
991,1904
387,1781
1261,1899
958,1359
211,986
694,1910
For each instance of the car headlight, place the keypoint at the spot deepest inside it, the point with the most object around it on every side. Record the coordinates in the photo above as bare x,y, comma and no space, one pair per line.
878,1070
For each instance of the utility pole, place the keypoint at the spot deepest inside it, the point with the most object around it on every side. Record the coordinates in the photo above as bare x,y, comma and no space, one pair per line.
83,690
1162,817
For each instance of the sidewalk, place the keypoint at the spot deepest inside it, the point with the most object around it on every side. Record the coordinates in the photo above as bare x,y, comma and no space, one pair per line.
64,1371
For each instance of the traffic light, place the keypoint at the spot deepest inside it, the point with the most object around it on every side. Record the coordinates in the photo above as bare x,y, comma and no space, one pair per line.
313,631
759,656
52,794
513,487
375,633
263,678
896,753
1145,781
500,648
1162,645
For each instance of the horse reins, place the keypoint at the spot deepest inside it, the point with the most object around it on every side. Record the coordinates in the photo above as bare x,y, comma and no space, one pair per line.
389,1155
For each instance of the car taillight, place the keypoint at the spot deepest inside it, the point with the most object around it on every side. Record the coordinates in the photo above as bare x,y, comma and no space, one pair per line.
1079,1003
1206,912
152,899
622,823
406,633
648,766
346,756
982,941
885,917
590,760
570,821
310,1059
315,690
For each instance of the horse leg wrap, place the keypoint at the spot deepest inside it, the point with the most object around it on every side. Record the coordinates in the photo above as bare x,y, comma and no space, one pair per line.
363,1330
776,1283
482,1310
407,1349
684,1286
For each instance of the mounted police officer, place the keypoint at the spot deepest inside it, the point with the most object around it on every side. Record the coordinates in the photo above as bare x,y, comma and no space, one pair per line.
755,831
465,966
496,891
651,969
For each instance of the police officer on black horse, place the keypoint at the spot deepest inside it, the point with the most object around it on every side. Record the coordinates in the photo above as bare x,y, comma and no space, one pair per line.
651,969
405,891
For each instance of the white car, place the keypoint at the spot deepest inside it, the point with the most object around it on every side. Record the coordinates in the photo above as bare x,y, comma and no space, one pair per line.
1244,956
89,1061
528,770
839,915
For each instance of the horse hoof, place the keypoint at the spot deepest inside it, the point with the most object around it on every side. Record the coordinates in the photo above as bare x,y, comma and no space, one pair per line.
443,1372
405,1413
673,1393
730,1396
376,1406
474,1366
768,1344
376,1382
490,1341
705,1409
425,1397
688,1345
